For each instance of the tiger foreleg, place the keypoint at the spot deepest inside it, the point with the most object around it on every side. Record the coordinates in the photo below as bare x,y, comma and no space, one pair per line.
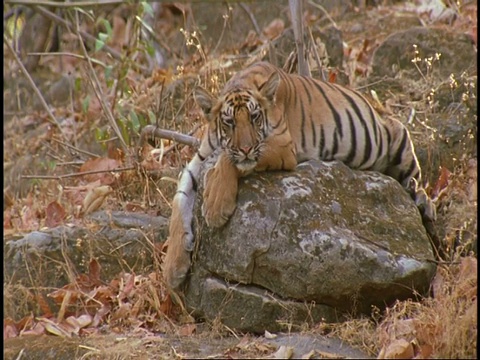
220,194
180,243
181,238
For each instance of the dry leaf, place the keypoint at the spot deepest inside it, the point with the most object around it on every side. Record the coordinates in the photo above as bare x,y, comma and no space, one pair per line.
187,330
438,284
54,214
398,349
77,323
332,76
9,329
54,328
104,310
309,355
284,352
37,329
269,335
95,198
43,304
127,289
274,29
424,351
329,355
63,307
94,272
441,184
102,165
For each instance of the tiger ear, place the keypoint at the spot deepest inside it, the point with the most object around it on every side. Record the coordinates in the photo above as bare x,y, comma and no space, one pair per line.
269,87
204,99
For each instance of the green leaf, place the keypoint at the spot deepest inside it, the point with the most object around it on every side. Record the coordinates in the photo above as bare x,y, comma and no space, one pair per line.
147,8
152,117
134,121
102,36
106,24
78,84
150,49
99,44
85,104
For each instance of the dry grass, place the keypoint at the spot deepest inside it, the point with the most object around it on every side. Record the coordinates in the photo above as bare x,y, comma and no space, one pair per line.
441,326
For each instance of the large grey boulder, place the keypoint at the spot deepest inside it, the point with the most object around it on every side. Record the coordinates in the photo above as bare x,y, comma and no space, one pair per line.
308,245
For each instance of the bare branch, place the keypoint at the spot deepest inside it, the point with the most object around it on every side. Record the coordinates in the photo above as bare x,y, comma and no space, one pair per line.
298,32
52,119
154,132
59,177
251,17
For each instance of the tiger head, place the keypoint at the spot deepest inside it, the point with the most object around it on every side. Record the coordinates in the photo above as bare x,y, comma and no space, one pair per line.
239,118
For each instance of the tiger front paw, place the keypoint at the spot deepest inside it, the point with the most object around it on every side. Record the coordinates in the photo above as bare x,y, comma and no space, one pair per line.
176,263
220,194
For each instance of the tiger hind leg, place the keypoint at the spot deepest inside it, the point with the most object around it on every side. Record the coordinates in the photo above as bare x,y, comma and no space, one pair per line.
424,204
427,209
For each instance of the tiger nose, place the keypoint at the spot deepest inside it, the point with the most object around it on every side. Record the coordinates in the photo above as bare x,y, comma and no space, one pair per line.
246,149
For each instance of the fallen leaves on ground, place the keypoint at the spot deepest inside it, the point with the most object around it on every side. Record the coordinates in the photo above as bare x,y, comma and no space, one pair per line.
440,326
129,301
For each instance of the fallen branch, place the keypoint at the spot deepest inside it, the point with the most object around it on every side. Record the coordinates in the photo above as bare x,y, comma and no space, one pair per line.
151,131
60,177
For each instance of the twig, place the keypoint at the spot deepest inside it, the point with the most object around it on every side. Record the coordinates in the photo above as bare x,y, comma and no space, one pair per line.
115,54
225,20
95,83
75,148
315,52
153,131
371,84
60,177
78,56
320,7
53,119
251,17
57,4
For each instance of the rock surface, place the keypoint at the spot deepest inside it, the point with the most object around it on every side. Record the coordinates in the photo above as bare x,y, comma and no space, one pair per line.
309,245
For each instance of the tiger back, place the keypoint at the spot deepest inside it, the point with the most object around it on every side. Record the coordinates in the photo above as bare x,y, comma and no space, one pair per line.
266,119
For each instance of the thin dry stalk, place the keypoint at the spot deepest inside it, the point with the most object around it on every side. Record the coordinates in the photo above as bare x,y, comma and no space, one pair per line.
97,88
24,71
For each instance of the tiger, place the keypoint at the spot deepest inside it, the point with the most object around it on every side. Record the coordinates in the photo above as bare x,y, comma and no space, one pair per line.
266,119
